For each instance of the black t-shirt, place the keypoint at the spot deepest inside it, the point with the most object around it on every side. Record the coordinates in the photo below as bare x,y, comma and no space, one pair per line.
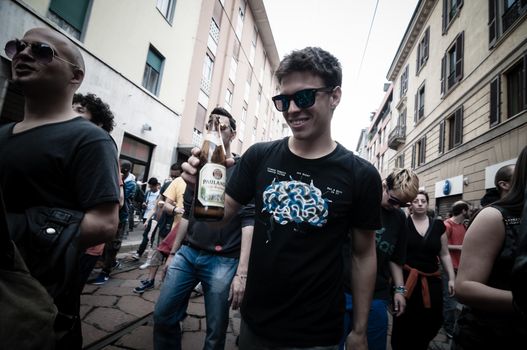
304,209
225,241
422,252
390,246
71,164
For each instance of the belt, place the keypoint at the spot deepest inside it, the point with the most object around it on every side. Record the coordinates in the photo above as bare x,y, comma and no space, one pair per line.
412,281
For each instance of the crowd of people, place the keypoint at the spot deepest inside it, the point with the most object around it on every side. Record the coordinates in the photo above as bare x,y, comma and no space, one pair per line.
316,250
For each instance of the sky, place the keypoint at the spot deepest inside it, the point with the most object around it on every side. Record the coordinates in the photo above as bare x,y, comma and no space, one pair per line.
341,27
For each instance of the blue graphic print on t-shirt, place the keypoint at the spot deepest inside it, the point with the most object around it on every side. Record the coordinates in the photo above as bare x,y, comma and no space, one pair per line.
295,201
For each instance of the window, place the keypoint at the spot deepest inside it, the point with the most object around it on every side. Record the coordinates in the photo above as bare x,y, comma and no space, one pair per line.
419,112
418,152
399,161
69,15
241,17
452,65
452,127
455,128
503,14
201,115
152,75
206,74
228,97
166,7
450,10
422,50
516,88
404,81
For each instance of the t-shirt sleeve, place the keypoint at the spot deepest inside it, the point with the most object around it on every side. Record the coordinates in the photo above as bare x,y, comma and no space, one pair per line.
170,192
95,172
241,185
366,213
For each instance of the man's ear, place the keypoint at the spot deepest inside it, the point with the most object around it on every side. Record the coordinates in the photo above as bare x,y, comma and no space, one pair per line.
335,96
78,76
504,185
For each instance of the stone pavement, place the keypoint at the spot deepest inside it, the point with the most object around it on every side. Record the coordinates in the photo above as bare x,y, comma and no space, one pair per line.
113,317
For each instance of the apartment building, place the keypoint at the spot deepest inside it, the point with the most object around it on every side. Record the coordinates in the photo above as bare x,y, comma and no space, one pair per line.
162,66
377,150
459,96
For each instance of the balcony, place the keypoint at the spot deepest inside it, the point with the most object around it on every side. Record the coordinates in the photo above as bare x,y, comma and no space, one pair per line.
397,137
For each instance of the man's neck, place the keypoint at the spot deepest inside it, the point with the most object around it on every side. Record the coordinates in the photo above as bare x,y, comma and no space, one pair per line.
458,219
40,111
310,149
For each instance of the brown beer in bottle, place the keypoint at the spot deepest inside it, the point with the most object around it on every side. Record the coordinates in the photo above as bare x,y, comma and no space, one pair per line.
209,194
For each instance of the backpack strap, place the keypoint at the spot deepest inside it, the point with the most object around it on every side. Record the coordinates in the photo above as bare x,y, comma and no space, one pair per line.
6,248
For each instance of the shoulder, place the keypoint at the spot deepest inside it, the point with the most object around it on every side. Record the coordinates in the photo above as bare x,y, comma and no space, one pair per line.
86,131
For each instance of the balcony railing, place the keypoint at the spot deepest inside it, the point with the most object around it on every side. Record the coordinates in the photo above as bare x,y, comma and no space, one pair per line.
397,137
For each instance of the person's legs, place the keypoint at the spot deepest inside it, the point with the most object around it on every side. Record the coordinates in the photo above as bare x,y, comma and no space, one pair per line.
172,303
216,273
144,242
378,325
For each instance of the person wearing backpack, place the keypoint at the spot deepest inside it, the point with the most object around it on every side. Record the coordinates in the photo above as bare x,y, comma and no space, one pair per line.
53,151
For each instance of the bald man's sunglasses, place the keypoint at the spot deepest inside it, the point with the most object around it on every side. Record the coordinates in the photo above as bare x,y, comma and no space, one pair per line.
303,98
41,52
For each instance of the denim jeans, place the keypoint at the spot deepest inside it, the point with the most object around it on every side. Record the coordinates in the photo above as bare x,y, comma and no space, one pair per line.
189,267
377,323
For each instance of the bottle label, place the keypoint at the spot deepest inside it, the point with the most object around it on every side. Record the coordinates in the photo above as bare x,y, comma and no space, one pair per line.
211,186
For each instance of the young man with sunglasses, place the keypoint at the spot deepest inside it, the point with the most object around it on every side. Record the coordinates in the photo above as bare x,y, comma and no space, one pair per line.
399,188
310,193
216,257
68,167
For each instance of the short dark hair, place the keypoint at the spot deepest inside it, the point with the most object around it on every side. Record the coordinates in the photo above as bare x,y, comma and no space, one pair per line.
175,166
312,60
458,208
100,111
222,111
153,181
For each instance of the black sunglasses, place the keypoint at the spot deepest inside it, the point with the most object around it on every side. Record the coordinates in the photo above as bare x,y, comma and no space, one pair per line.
395,201
41,52
303,98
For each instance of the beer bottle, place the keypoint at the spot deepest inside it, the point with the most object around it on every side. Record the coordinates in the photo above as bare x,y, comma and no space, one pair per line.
209,194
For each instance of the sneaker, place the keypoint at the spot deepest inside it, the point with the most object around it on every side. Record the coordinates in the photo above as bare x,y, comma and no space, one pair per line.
101,279
142,282
147,286
145,265
136,256
116,264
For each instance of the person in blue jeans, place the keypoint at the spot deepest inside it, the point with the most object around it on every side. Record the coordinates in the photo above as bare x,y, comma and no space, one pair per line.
218,258
399,188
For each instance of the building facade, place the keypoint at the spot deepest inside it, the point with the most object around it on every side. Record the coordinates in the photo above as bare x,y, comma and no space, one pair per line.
162,66
459,96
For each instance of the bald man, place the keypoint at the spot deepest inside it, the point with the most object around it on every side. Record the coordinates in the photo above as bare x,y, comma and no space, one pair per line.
56,166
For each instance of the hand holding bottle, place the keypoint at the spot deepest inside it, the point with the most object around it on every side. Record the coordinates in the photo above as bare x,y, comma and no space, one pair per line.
190,167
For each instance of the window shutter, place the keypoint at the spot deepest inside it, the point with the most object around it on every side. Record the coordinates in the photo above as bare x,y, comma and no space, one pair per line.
492,23
525,80
423,151
458,124
73,12
427,43
459,4
154,60
413,156
459,56
445,15
443,74
418,59
416,107
494,101
441,147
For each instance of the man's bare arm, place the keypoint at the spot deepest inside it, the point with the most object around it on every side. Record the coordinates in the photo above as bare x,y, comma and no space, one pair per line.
363,264
99,224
